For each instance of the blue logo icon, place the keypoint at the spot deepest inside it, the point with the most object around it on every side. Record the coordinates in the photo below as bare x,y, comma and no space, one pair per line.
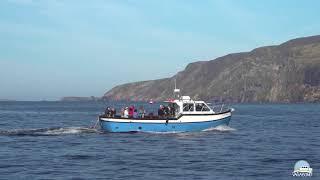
302,168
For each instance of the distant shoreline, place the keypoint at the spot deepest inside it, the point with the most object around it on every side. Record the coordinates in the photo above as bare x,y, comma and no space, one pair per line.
77,99
2,100
132,102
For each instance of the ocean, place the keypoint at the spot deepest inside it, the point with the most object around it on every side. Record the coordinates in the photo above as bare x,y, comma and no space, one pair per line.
53,140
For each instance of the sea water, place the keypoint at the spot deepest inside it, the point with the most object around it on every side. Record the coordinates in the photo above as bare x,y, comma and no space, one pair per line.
53,140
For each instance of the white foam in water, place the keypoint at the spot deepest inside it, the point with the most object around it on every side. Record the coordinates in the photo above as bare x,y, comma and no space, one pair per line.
221,128
170,132
48,131
69,130
79,130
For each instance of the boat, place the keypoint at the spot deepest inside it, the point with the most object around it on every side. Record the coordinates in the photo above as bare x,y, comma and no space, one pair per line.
187,115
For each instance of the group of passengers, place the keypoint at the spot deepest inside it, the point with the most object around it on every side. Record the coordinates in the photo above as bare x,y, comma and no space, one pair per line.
110,112
166,111
132,112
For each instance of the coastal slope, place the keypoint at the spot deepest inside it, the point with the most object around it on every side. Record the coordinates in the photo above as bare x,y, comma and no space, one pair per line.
289,72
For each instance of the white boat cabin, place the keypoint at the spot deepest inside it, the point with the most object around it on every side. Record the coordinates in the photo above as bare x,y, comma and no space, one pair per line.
185,105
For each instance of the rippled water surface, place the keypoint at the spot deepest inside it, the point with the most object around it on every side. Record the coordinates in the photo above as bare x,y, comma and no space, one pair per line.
53,140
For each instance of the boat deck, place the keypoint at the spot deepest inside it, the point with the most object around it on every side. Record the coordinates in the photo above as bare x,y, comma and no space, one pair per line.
153,117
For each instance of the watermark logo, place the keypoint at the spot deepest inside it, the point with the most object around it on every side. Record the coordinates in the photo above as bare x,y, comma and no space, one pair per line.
302,168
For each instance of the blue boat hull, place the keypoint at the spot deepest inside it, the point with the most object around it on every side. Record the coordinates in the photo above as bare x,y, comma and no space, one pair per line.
111,126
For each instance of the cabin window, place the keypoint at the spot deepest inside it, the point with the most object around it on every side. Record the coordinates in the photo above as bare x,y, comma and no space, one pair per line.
188,107
202,107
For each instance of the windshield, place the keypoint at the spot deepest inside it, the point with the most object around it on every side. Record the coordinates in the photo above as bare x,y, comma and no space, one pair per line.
202,107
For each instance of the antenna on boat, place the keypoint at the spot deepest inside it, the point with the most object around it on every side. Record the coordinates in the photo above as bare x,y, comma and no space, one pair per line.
175,83
176,92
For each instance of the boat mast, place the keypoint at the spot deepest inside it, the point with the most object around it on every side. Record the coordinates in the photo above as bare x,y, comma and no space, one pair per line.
176,92
175,83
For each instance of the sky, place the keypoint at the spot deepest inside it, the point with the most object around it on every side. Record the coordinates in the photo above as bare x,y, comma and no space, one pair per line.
53,48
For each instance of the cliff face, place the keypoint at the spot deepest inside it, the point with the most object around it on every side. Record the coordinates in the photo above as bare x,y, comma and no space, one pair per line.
289,72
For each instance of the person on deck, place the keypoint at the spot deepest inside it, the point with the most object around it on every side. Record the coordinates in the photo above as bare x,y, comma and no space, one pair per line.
172,111
113,112
126,113
142,112
107,111
122,112
135,113
161,111
166,110
131,110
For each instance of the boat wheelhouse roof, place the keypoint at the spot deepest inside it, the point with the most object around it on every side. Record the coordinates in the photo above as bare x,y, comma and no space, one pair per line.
184,99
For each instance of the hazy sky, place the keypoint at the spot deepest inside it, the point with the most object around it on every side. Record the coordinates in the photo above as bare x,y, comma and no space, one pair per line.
53,48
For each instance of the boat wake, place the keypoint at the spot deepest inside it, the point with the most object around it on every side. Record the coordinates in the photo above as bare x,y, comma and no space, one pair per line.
170,132
222,128
48,131
56,131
